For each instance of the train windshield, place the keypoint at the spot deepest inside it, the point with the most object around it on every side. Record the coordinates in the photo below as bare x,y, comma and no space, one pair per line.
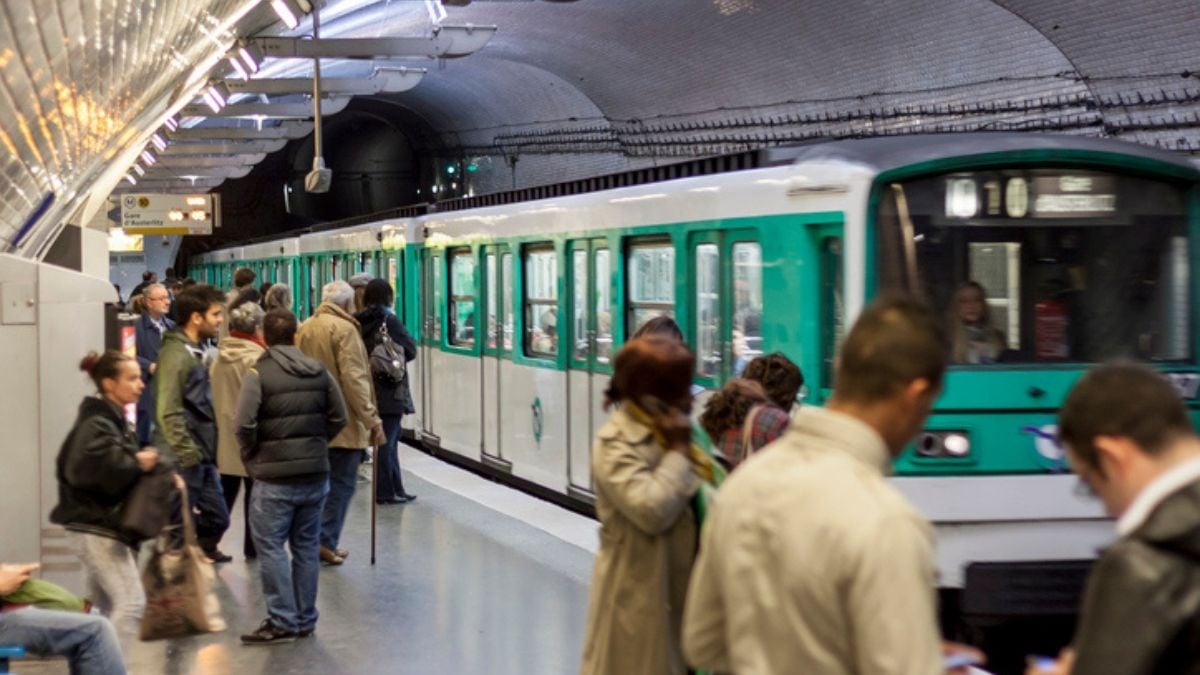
1044,265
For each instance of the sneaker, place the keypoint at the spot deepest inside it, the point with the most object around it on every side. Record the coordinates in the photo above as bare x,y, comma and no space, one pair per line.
306,632
268,634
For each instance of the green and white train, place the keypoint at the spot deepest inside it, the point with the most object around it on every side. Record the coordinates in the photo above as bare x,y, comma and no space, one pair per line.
1084,248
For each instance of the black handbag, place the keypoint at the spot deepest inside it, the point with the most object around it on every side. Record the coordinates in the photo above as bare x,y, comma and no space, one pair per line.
147,507
387,360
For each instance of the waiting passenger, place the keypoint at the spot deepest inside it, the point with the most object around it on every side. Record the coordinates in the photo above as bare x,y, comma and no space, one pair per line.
97,468
1129,437
289,408
151,326
779,376
243,280
332,337
834,572
547,341
975,339
359,283
263,289
393,397
661,325
644,486
236,356
279,296
185,422
740,419
87,641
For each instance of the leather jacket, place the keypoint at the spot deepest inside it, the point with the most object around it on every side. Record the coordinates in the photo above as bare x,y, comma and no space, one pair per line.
1141,610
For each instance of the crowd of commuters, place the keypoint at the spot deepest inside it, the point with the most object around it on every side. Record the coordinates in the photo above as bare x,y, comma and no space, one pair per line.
766,541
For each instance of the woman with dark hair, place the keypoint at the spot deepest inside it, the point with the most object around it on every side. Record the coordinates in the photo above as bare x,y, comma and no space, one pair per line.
393,397
975,339
646,473
662,326
263,289
779,377
98,466
278,296
740,419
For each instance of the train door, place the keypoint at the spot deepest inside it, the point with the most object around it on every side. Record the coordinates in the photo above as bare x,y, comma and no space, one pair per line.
497,348
431,331
591,348
727,303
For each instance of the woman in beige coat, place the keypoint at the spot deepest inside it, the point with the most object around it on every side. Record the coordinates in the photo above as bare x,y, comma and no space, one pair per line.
238,353
644,485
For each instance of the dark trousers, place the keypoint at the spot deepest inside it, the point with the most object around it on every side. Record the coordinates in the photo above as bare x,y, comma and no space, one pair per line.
207,501
389,484
231,485
343,475
145,419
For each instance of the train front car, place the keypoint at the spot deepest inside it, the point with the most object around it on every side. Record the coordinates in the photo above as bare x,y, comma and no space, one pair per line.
1046,255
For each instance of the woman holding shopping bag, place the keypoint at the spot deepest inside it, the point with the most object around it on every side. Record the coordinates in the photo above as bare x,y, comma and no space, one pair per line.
98,467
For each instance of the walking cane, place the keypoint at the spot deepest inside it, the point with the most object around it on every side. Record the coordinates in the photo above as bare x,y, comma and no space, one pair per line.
374,505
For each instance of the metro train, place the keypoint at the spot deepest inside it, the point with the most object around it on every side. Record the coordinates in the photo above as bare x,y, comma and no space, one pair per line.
1083,248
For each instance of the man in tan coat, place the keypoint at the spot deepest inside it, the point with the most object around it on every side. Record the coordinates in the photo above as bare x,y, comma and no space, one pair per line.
811,562
237,354
332,337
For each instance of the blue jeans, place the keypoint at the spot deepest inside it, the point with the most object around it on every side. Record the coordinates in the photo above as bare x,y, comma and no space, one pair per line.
343,475
279,514
389,484
87,640
207,497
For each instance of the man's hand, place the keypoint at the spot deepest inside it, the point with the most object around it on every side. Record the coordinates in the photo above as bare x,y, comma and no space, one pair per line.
147,458
153,367
13,577
1063,666
378,438
955,648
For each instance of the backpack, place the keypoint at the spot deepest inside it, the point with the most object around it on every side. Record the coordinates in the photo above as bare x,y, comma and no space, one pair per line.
387,360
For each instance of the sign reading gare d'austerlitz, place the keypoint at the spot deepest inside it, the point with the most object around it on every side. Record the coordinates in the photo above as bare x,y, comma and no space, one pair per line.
162,214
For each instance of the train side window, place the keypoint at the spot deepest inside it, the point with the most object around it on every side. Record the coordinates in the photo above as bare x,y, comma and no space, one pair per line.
462,298
436,263
506,301
493,314
833,308
651,282
314,286
541,302
747,304
579,317
604,338
708,310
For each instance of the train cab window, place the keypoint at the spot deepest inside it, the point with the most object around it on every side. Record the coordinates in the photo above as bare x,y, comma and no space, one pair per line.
651,283
708,310
603,307
541,302
747,304
462,298
1044,265
506,301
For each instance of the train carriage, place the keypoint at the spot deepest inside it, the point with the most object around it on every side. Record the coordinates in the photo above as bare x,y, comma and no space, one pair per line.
1081,250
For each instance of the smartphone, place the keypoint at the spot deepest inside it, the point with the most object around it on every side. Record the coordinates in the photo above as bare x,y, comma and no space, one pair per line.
1041,662
959,660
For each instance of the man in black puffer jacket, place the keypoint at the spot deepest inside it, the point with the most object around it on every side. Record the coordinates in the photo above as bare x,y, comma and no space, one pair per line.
288,411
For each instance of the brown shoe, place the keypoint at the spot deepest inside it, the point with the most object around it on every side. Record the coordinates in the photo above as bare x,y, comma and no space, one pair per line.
342,553
331,557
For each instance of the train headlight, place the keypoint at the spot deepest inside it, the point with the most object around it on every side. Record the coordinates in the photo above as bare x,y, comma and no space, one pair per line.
943,445
957,445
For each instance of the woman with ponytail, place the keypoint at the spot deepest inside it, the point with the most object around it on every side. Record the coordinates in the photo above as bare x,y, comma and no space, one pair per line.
98,466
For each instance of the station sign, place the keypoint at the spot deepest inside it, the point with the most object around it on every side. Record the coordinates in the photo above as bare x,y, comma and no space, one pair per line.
162,214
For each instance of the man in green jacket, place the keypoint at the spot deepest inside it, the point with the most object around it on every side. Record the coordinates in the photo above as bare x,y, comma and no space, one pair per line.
186,430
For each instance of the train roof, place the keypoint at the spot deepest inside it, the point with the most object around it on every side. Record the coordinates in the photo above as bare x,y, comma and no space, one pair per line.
892,152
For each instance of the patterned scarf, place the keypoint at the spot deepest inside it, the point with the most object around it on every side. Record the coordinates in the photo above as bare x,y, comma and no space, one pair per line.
700,454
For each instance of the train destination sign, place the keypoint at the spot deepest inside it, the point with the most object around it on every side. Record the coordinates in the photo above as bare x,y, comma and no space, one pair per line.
162,214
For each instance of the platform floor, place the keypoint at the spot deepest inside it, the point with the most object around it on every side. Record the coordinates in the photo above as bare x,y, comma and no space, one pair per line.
471,578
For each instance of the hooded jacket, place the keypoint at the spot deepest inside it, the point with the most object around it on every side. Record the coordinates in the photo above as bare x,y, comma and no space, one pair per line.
288,410
1141,609
332,337
235,358
96,469
186,427
389,397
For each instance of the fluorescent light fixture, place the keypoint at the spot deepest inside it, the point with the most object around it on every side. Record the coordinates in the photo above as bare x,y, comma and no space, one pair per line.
137,168
250,56
158,141
290,11
239,69
436,11
171,123
149,157
216,95
131,179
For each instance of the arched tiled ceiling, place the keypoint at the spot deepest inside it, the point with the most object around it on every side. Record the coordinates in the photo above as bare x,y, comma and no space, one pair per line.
594,85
